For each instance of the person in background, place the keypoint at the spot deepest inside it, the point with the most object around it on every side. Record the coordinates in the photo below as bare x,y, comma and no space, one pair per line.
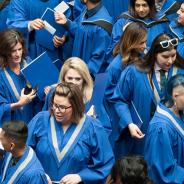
73,142
20,164
15,103
143,11
164,146
131,46
140,89
129,170
176,28
91,33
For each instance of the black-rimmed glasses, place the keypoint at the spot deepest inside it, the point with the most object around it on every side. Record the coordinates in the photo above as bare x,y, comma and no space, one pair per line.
61,108
165,43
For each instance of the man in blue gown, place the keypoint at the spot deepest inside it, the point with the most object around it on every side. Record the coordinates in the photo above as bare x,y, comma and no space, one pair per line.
91,33
20,163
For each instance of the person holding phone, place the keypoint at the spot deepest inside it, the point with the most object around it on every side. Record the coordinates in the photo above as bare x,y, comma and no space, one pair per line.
14,103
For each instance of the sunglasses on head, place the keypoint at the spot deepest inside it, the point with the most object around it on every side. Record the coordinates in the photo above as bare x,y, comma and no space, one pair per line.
166,43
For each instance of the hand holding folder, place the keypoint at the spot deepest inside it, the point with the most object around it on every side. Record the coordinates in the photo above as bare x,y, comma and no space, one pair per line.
45,36
41,72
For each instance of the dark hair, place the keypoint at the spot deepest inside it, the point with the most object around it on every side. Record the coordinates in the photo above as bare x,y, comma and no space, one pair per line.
75,97
95,1
175,81
132,36
131,170
17,131
149,59
4,3
8,39
151,4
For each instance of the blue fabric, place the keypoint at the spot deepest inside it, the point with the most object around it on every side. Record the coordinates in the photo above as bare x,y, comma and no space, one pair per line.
90,41
116,7
164,149
177,31
3,17
86,156
20,13
7,97
133,86
32,173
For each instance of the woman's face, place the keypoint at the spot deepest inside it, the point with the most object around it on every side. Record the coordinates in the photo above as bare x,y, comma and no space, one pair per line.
142,45
16,54
74,77
165,59
142,8
62,109
180,13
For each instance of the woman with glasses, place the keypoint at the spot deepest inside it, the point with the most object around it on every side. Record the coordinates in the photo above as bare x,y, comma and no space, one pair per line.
176,28
15,104
164,147
71,146
143,11
140,88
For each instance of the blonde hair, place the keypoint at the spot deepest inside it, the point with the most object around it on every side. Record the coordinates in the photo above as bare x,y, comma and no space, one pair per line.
80,66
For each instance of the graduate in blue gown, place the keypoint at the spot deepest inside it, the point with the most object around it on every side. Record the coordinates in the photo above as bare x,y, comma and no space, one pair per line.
75,144
164,148
139,11
4,6
91,33
177,29
25,16
20,163
131,46
139,90
14,103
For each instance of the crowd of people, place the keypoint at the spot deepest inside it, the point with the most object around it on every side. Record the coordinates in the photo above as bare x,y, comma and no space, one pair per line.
123,127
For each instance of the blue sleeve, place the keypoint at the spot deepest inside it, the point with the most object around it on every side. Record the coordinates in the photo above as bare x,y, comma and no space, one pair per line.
5,108
101,42
122,97
159,155
18,16
102,158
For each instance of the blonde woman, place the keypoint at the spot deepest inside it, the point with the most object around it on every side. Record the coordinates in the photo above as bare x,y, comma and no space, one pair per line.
75,71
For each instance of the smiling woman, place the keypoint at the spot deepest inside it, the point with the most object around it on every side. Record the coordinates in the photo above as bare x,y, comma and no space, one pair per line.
14,104
73,143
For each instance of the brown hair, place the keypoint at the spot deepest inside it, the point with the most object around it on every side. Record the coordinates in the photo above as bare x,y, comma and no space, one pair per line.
132,36
74,95
10,38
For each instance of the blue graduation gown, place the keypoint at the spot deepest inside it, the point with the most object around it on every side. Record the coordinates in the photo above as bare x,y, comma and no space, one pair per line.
164,148
116,7
3,17
134,98
20,13
7,96
32,171
154,28
178,32
85,157
90,41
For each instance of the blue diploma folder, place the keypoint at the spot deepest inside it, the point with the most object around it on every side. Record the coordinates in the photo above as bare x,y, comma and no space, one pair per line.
41,72
45,35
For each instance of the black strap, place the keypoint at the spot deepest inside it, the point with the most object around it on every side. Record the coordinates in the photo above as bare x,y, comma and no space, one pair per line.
4,3
102,23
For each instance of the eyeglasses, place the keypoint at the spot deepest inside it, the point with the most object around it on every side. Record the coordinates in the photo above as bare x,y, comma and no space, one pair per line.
61,108
165,43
